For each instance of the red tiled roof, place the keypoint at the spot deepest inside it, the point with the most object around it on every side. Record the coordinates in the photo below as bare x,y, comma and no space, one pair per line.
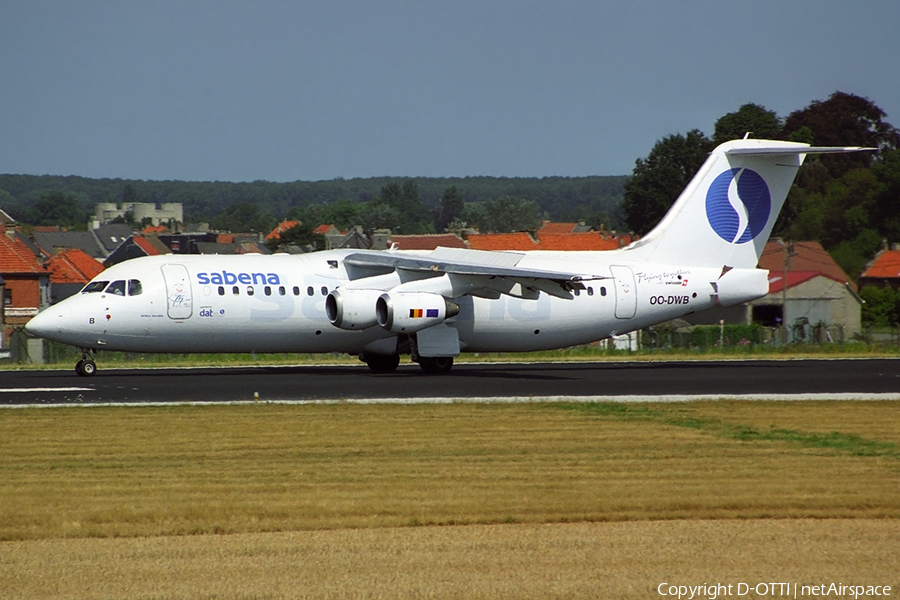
275,234
794,278
225,238
502,241
151,229
73,266
427,242
590,240
146,246
807,256
584,241
886,265
325,228
16,257
551,227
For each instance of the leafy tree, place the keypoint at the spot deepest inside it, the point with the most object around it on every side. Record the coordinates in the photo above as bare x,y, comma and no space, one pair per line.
129,195
843,120
58,208
750,118
342,214
242,217
880,306
378,215
504,215
660,178
450,209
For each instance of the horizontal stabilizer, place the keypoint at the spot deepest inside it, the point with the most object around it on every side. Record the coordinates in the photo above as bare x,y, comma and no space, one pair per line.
781,150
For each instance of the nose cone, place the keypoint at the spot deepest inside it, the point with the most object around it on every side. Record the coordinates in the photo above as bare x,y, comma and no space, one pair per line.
44,324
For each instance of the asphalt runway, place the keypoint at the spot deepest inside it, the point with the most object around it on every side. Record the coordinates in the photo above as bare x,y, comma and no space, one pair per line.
676,380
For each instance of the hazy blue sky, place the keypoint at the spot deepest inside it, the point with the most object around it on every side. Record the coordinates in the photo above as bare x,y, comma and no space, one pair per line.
278,90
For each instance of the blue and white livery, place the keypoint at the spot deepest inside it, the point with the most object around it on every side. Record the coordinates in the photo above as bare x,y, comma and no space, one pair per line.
435,305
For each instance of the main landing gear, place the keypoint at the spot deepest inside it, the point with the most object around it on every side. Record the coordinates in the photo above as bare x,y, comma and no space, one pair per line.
86,367
438,365
387,363
381,363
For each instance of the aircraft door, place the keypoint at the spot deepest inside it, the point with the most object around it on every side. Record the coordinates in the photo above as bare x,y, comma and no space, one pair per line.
178,291
626,292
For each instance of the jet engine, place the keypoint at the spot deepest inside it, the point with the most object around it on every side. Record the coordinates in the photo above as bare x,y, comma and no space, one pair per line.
352,309
411,312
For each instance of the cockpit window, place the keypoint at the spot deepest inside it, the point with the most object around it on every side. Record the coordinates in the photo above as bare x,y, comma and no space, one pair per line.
134,287
116,288
95,286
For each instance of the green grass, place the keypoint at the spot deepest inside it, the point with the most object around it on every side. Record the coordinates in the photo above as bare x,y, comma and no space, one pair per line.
845,443
60,356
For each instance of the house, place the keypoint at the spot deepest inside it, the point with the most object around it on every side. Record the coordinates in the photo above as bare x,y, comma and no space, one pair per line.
806,289
52,240
552,227
426,241
502,241
69,271
547,238
884,270
134,247
26,284
275,234
111,236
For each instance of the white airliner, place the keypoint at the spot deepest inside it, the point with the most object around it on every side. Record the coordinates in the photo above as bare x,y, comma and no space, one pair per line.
434,305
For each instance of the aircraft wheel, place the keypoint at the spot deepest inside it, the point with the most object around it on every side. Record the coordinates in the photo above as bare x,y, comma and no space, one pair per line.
437,365
382,363
86,368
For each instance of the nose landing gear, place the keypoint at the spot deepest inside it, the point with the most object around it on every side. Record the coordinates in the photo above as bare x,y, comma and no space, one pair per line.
86,367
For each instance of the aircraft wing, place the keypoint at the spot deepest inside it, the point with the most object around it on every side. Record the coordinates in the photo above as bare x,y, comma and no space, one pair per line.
477,265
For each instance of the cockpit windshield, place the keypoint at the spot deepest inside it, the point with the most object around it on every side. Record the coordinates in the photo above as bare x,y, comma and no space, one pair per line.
95,286
116,288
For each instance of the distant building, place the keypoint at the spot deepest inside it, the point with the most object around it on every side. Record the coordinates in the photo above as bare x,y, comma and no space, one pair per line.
135,247
70,270
26,283
104,212
884,270
816,292
426,242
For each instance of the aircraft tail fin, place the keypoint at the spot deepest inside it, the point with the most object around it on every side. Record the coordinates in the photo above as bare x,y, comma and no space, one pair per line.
725,215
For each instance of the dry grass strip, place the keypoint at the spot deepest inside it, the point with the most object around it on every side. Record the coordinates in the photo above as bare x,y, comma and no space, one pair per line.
112,472
576,560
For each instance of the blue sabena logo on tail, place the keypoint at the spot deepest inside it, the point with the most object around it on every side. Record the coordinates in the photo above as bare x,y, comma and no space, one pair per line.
752,192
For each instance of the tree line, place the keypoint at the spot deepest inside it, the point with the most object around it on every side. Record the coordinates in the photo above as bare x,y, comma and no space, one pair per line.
403,204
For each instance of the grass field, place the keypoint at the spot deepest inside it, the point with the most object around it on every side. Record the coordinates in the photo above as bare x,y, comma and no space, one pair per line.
515,478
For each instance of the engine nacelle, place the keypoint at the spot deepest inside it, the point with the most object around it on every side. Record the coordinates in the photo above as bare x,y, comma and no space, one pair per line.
352,309
411,312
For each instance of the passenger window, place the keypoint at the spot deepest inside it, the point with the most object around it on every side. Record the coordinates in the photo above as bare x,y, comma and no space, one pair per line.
96,286
602,291
577,292
296,291
267,290
236,291
590,291
221,290
116,288
310,291
249,290
281,291
324,291
135,288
